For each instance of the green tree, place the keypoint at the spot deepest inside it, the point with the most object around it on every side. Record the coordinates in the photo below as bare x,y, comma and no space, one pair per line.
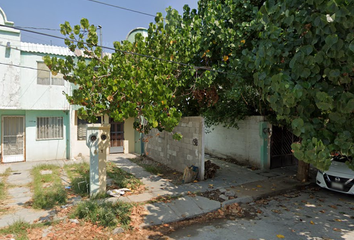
303,63
213,37
125,83
182,67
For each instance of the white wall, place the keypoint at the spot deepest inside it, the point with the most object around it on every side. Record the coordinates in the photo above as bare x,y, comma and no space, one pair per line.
9,75
36,96
78,147
37,150
243,144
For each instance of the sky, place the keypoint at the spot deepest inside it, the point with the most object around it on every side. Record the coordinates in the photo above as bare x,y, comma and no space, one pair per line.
116,23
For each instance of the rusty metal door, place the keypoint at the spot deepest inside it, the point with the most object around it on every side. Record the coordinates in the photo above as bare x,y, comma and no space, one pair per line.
13,139
280,150
117,137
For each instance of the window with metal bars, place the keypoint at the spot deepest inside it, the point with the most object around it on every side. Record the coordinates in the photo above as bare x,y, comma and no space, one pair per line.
82,127
50,128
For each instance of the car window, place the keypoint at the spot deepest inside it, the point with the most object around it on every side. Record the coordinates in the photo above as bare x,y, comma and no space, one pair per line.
341,158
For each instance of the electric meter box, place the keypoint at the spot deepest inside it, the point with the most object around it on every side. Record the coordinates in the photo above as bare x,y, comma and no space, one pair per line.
98,140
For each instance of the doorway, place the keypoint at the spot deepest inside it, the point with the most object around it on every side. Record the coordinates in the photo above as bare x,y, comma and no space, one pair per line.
13,139
280,149
117,137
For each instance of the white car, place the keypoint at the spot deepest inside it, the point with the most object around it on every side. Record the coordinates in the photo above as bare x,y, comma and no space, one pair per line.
338,177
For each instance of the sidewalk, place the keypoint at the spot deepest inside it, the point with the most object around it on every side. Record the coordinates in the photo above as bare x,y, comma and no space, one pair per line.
241,183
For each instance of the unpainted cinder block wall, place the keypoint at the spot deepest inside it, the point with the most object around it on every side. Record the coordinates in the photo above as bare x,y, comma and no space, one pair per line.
179,154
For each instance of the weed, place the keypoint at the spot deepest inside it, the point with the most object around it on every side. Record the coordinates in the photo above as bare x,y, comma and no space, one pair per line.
18,229
105,214
2,190
6,173
79,174
48,190
165,198
121,178
3,184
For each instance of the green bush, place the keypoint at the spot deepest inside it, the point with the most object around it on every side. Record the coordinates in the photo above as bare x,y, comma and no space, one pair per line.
105,214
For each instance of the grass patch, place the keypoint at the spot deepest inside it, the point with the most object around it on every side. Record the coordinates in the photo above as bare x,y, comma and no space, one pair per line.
79,174
18,229
3,184
48,189
2,190
121,178
106,214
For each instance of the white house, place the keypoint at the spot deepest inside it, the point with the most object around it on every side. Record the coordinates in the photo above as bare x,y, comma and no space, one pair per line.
36,121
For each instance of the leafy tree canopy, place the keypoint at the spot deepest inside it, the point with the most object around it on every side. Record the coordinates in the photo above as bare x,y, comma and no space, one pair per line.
303,62
228,59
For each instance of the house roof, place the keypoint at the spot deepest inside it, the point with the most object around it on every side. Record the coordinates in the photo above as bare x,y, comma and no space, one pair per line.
47,49
55,50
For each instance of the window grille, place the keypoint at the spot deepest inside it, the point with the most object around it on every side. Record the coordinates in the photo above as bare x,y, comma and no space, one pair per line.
50,128
82,127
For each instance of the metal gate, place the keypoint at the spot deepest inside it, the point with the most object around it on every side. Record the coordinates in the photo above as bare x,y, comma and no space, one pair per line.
13,139
117,137
280,150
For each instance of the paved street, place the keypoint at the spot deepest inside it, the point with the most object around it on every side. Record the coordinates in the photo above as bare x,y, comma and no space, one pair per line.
310,214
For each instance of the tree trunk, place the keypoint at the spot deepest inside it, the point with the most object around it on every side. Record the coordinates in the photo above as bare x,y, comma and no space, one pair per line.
303,171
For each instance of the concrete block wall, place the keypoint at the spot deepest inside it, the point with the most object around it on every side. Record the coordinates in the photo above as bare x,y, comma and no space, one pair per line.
243,144
179,154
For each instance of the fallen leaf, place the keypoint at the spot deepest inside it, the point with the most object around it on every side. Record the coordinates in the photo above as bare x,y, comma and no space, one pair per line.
312,222
337,229
338,220
333,206
280,236
259,186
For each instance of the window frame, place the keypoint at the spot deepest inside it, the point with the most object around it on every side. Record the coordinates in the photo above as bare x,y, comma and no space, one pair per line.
51,77
59,122
84,122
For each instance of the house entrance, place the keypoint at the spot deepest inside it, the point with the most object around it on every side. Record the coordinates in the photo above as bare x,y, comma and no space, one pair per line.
280,149
13,139
117,137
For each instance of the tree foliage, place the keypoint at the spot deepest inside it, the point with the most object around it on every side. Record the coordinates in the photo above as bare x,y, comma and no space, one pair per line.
228,59
126,83
303,62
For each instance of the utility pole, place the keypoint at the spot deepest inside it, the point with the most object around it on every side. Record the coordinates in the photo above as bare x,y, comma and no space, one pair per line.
100,28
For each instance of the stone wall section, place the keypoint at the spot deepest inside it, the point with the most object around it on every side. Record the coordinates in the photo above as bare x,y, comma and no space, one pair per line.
179,154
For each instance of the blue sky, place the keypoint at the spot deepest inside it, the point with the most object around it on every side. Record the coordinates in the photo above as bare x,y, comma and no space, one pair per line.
116,23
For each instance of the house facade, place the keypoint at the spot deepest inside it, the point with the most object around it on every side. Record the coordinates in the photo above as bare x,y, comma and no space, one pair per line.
36,121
